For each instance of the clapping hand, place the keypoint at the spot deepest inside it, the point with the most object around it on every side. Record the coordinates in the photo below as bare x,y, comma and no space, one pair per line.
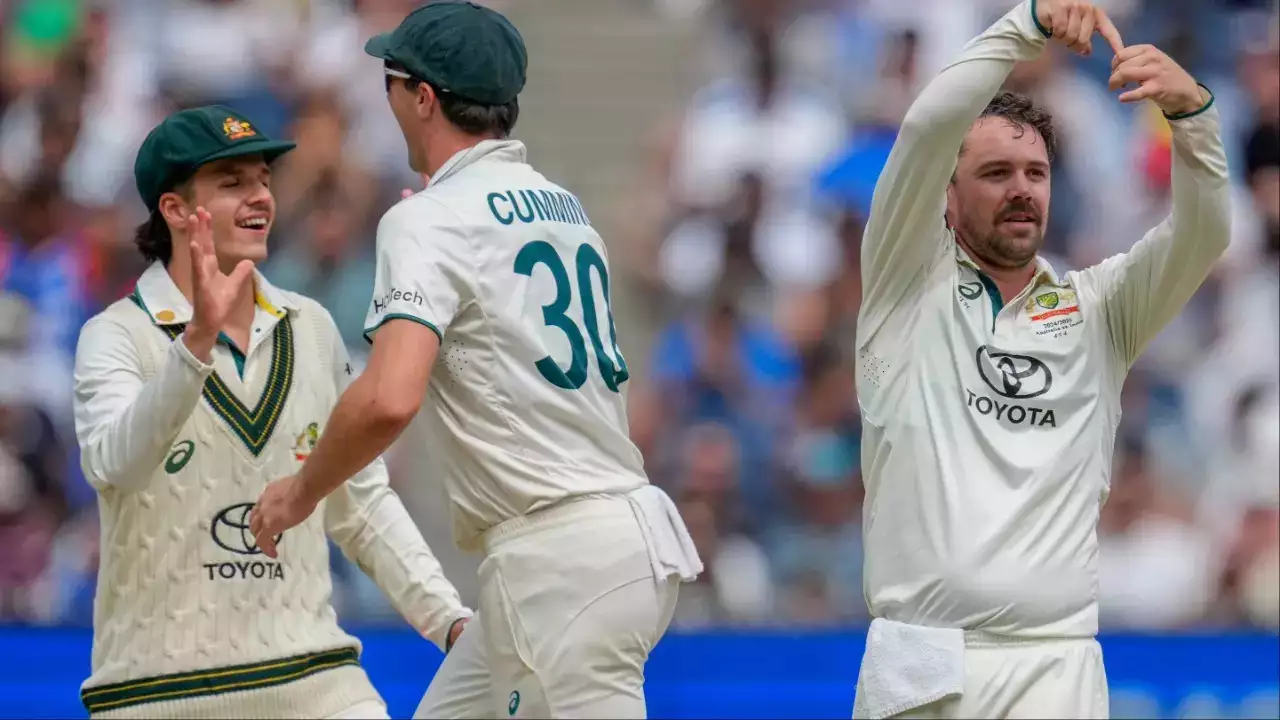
213,293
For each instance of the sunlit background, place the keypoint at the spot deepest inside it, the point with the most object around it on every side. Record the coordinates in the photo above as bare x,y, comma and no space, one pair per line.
727,151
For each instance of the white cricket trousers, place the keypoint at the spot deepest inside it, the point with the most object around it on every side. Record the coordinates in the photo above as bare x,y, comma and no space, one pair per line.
1005,678
569,610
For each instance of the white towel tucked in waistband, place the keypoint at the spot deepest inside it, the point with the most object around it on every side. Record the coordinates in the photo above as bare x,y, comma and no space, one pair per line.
907,666
671,550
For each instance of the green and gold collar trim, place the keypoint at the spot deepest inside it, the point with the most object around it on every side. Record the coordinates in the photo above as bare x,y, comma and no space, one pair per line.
215,681
254,426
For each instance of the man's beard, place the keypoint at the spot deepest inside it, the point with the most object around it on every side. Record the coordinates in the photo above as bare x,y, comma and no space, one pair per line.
1006,251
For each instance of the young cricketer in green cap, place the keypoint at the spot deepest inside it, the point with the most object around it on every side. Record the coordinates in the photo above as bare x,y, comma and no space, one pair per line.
491,318
192,393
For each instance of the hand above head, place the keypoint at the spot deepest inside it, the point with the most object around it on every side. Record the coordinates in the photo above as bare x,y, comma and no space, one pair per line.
1073,23
1158,79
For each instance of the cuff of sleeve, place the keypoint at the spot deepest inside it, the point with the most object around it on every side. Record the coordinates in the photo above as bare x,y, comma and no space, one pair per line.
180,347
369,331
1188,115
446,642
1035,18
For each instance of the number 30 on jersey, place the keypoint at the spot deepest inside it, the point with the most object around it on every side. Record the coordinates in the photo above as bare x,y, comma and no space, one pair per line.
614,373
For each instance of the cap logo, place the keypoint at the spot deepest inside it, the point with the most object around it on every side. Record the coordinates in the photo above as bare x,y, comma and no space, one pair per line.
236,129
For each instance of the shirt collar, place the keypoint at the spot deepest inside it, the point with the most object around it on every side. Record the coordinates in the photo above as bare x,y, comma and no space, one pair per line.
164,302
1043,268
511,151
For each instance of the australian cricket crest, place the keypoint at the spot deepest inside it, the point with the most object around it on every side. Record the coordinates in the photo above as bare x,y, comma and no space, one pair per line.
306,441
236,129
1054,312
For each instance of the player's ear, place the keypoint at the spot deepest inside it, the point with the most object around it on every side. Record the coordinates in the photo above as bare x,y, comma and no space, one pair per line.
173,207
428,101
950,216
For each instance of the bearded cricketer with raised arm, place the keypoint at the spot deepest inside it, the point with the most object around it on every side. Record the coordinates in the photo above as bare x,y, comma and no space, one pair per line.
990,383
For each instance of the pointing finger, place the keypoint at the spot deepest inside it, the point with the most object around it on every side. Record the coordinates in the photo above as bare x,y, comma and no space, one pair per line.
1108,30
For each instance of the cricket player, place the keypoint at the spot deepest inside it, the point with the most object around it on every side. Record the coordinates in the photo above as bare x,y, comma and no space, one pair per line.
190,395
491,313
990,383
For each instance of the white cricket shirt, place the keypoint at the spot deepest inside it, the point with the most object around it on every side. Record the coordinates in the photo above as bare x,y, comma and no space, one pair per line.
989,425
525,405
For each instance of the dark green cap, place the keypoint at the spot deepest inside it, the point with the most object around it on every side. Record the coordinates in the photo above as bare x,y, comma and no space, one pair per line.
459,47
185,140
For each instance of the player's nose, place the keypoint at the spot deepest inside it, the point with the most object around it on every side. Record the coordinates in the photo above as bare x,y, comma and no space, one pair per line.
261,198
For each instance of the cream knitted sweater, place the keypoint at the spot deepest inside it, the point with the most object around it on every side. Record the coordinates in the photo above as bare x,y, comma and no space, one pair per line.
190,618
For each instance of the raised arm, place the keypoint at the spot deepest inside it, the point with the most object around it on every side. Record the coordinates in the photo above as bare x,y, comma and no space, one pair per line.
905,231
1145,288
126,424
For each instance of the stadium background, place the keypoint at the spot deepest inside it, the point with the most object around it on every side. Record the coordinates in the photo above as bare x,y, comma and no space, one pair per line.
726,150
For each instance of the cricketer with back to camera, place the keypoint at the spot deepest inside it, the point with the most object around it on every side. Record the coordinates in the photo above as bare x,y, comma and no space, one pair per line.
491,318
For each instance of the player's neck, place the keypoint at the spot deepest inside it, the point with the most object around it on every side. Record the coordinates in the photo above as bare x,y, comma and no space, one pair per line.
446,146
1009,281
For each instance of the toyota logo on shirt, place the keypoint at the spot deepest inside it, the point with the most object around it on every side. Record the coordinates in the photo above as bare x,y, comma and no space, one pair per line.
1019,377
230,530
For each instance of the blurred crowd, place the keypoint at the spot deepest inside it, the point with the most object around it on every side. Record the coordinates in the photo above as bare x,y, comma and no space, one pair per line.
743,252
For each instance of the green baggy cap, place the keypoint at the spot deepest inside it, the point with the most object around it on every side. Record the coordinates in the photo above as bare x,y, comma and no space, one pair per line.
459,47
185,140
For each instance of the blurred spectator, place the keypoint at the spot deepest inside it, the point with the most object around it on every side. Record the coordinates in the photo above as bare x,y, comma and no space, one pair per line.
719,366
817,554
1156,570
32,503
735,587
748,149
322,245
329,257
43,260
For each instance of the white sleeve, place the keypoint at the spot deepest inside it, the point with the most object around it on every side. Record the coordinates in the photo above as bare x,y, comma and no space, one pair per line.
1145,288
904,232
125,424
367,520
424,267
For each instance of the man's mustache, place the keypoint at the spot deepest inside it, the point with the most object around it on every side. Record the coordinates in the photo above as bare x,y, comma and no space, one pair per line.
1019,208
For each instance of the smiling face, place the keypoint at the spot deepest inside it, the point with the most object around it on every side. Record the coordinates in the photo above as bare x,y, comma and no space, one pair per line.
237,193
998,200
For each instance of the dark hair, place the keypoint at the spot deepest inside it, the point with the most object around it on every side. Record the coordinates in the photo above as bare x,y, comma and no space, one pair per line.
1019,111
478,119
153,238
469,116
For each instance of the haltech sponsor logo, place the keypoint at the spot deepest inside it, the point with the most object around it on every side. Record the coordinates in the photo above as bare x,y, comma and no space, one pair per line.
393,295
1013,378
230,531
